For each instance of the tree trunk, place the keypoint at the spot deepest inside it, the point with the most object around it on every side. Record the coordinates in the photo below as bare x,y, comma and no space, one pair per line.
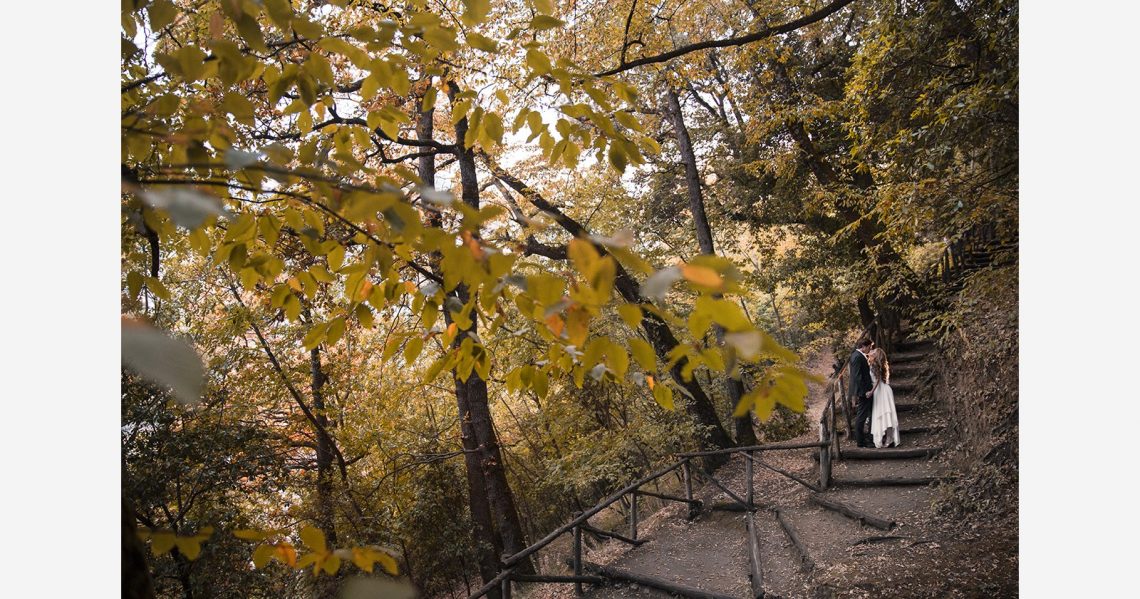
326,586
473,391
136,576
486,541
734,388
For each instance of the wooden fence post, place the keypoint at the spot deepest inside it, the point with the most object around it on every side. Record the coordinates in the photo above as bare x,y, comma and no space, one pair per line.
748,476
577,558
633,515
835,426
506,588
688,476
824,455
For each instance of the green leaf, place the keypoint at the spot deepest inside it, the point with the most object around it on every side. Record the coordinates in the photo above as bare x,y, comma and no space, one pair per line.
544,22
538,62
482,42
364,316
629,120
162,13
618,158
134,284
237,105
476,11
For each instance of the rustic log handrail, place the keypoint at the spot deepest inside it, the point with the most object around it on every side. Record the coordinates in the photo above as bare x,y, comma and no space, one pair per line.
784,472
835,391
514,559
767,447
668,497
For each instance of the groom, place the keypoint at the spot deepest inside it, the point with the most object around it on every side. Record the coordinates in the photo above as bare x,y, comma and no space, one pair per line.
860,389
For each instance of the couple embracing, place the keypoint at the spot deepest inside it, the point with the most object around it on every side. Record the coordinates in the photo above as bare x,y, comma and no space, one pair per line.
871,392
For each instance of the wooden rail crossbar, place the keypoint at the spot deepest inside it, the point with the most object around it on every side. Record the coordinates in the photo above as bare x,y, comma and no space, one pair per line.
768,447
514,559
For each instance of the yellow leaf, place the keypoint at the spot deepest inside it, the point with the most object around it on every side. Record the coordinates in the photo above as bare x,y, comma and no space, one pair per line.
189,547
631,314
162,13
413,348
330,564
538,61
285,553
335,330
577,325
663,395
239,106
699,321
161,542
476,11
262,555
702,275
314,538
315,335
643,353
388,563
249,534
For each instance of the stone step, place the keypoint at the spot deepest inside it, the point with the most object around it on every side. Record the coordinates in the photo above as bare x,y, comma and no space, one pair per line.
904,386
852,512
909,356
888,481
908,345
889,453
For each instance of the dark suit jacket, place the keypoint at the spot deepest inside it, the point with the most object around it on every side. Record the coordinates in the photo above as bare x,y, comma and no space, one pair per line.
860,372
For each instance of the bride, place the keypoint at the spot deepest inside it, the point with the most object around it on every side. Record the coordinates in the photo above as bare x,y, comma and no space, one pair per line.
884,419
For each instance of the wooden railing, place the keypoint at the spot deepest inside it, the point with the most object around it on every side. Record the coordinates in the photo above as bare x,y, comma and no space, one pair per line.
580,523
828,441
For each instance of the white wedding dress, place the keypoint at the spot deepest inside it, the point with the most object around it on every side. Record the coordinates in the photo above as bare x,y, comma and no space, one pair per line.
884,419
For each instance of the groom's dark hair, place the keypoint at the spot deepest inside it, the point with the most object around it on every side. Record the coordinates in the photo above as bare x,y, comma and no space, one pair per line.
864,342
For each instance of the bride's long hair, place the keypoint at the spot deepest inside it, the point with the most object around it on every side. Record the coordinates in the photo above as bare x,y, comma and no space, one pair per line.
880,364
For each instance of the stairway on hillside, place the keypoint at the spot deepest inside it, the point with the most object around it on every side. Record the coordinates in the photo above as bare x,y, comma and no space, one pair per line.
807,540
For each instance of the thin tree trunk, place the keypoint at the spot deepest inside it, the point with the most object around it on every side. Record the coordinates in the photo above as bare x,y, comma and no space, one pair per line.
486,541
734,388
473,391
326,587
136,582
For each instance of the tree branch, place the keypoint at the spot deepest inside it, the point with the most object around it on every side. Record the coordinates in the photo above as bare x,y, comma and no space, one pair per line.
312,418
766,32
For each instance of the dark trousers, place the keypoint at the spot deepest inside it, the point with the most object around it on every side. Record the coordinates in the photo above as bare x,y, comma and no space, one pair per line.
862,417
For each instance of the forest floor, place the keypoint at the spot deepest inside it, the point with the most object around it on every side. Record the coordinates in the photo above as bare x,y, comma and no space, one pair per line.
932,551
